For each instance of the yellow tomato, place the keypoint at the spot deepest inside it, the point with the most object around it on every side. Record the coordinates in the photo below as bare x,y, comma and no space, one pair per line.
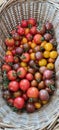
24,40
29,43
8,53
53,54
32,56
42,62
46,54
33,45
44,102
23,64
37,105
26,68
27,31
48,47
50,66
43,44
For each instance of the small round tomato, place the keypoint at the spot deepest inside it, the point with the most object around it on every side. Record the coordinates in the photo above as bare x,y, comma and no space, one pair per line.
12,75
24,40
32,56
9,41
33,30
20,31
32,22
32,92
30,107
10,101
25,57
37,39
24,84
44,95
24,23
6,67
21,72
19,102
29,36
9,58
13,86
16,36
16,59
29,76
25,96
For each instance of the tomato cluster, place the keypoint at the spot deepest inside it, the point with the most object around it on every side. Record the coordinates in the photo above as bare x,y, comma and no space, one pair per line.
28,69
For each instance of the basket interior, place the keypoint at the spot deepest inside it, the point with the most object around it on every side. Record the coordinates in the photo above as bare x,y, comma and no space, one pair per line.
10,17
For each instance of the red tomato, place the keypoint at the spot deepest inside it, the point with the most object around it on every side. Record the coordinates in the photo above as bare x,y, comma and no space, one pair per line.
37,39
33,30
29,36
24,84
13,86
16,59
10,101
24,23
21,72
9,58
25,96
29,76
31,21
6,67
9,41
32,92
19,102
12,75
25,57
20,31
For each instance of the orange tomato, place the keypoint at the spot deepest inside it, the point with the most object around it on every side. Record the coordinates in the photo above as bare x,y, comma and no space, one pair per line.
24,40
8,52
27,31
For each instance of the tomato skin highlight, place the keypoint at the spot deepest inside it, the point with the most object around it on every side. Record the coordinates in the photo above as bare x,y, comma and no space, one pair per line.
13,86
19,102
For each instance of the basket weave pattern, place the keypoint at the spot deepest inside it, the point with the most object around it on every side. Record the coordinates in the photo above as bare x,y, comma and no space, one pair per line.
10,16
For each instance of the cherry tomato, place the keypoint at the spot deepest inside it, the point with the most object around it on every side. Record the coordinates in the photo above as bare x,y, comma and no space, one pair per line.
13,86
9,41
24,84
16,36
32,22
37,39
21,72
19,102
20,31
44,95
9,58
30,107
6,67
32,92
24,23
12,75
33,30
29,76
25,57
10,101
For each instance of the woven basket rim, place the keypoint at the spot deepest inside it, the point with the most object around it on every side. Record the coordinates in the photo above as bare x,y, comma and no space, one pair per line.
11,1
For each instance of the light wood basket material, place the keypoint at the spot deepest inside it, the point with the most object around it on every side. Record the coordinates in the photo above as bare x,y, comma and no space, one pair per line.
11,14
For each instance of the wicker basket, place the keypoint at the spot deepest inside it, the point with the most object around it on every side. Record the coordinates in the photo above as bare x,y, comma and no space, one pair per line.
11,14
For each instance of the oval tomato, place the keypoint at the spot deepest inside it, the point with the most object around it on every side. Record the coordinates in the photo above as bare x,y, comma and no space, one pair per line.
21,72
24,84
33,92
13,86
12,75
19,102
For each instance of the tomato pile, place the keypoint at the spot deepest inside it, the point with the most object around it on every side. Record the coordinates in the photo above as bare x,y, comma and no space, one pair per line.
28,70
